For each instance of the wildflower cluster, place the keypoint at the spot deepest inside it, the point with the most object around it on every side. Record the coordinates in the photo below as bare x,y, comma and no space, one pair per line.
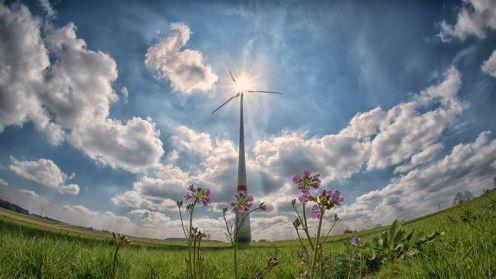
322,201
193,235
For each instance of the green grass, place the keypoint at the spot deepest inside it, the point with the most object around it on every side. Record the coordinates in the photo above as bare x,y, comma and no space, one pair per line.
31,249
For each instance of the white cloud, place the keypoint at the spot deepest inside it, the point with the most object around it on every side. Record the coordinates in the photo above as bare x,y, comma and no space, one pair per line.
473,20
157,191
150,219
3,183
80,215
79,83
133,146
139,222
209,162
375,139
489,66
125,94
72,94
47,7
29,193
46,173
23,61
425,156
422,190
183,67
33,196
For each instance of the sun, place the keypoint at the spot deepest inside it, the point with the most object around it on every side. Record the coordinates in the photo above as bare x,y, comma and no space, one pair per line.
244,82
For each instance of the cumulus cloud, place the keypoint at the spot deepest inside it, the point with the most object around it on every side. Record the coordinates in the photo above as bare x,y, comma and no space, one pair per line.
133,146
489,66
79,83
46,173
374,139
3,183
150,219
81,215
422,190
206,162
33,196
30,193
47,7
156,191
23,60
72,94
473,19
140,222
183,67
425,156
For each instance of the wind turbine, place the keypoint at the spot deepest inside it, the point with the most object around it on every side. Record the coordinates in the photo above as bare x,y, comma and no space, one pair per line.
241,87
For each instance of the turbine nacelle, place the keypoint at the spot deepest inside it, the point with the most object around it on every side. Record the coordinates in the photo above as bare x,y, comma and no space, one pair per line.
242,86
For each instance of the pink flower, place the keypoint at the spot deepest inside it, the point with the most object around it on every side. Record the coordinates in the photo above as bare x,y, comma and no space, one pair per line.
336,198
315,212
307,181
198,194
242,202
304,197
330,198
296,179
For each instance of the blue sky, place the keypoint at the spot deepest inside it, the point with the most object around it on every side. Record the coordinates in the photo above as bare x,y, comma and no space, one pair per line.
422,80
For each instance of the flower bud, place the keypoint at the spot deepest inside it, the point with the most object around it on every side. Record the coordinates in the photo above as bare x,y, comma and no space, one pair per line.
262,206
296,223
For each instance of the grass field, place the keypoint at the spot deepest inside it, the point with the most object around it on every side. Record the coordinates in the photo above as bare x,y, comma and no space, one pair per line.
32,247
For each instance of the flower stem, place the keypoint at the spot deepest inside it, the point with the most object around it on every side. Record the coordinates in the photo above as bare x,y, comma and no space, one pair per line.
315,251
306,227
235,258
301,242
114,264
190,240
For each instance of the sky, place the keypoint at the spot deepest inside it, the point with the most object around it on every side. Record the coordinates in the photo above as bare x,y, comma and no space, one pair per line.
105,108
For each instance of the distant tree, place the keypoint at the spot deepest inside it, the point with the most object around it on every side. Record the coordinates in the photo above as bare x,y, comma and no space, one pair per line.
462,197
468,196
458,198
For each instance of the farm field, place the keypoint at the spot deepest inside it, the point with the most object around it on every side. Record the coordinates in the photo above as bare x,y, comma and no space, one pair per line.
31,247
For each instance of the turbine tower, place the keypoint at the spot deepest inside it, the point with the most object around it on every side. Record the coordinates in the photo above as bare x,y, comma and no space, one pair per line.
241,88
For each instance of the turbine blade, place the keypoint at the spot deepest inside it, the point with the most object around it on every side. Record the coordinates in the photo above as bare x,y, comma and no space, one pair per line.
232,76
228,100
266,92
